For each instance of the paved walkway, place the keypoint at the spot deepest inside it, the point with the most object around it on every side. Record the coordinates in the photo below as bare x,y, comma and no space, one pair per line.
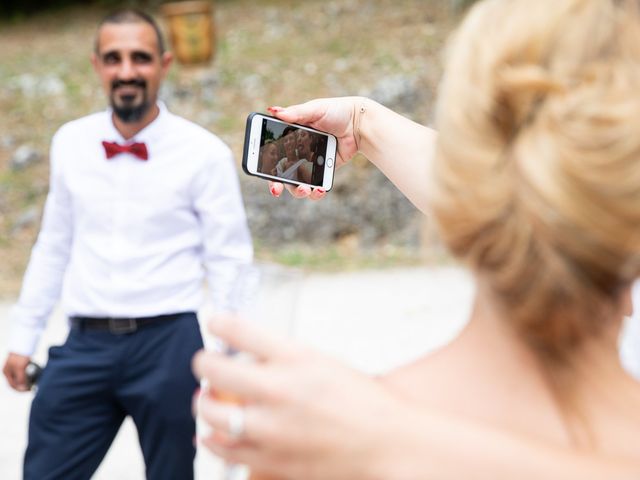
372,320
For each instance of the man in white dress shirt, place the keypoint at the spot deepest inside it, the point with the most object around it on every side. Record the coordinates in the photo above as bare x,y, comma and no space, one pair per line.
143,207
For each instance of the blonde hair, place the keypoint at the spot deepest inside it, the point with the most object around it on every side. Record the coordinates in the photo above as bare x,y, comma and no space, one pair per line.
536,181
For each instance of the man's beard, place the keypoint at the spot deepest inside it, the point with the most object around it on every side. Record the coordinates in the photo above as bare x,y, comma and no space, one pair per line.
127,112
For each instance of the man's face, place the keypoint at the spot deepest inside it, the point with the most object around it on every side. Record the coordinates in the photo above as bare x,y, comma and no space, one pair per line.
290,144
304,143
130,66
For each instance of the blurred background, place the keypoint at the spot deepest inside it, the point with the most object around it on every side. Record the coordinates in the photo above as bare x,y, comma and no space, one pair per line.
267,52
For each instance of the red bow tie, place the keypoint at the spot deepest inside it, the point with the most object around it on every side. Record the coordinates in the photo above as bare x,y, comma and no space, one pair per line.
138,149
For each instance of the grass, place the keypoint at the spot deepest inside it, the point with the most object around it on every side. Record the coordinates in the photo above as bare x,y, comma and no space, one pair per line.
336,258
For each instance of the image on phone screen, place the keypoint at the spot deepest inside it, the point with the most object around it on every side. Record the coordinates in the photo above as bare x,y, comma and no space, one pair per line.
292,153
289,153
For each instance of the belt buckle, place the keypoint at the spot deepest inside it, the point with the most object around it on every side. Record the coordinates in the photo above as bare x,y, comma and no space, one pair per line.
118,327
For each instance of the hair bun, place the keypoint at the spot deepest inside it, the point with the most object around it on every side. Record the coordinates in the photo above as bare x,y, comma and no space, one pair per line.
536,181
519,90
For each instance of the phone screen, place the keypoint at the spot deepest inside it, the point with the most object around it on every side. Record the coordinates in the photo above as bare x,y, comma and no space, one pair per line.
292,153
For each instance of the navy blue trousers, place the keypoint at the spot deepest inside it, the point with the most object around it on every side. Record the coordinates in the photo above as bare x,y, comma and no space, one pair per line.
97,378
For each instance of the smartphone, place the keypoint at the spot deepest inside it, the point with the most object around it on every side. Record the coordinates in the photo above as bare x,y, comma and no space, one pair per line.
288,153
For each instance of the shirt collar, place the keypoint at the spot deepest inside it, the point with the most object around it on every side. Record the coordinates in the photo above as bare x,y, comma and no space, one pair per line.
148,134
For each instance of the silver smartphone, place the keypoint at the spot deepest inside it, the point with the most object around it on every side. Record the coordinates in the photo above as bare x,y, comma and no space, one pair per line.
288,153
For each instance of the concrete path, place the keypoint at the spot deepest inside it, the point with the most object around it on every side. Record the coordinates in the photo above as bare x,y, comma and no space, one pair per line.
373,320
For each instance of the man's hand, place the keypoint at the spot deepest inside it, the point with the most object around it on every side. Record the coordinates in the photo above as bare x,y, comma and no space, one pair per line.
14,370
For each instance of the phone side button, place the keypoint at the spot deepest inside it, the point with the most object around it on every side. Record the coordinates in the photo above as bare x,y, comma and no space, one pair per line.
329,162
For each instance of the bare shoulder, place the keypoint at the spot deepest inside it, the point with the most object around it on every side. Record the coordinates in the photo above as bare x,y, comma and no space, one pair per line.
436,379
488,379
483,379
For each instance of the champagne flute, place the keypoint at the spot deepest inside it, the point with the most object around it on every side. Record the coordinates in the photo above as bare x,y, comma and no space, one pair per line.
278,301
264,294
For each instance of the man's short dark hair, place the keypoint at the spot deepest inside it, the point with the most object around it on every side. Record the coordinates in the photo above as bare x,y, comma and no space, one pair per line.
132,15
287,130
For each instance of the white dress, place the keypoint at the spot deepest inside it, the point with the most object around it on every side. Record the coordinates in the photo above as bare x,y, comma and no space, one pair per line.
291,172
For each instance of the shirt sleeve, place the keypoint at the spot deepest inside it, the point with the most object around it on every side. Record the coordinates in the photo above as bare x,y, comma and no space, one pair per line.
45,272
226,238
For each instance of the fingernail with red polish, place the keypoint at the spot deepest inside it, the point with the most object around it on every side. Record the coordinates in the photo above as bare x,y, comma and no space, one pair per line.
321,191
274,192
275,109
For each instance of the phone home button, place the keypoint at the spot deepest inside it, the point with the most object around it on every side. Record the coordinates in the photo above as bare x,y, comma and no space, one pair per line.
329,162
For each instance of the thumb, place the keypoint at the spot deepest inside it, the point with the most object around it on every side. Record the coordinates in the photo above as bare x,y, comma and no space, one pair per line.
304,113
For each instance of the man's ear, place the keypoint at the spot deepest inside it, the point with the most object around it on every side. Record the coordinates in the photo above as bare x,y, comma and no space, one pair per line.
167,59
94,60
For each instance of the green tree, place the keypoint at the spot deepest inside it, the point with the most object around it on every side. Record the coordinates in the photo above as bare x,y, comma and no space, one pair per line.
11,9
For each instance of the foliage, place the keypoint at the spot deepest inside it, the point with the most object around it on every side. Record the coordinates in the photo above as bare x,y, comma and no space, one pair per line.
17,9
459,5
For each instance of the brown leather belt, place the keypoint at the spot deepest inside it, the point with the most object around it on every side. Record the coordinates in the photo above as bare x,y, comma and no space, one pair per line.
120,325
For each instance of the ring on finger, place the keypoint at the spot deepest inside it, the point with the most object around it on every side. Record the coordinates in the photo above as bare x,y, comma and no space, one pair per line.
236,422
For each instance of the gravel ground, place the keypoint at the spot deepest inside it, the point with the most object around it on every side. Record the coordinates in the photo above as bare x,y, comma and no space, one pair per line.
373,320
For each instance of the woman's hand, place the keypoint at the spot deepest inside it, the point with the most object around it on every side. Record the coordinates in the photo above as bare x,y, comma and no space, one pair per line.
305,415
400,148
332,115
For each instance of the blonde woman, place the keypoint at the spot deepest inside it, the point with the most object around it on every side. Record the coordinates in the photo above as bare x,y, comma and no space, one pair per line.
535,185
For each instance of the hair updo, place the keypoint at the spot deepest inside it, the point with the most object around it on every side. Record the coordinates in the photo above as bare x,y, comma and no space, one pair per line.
536,180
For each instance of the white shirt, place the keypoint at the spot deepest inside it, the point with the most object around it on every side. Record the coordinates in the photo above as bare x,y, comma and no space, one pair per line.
130,238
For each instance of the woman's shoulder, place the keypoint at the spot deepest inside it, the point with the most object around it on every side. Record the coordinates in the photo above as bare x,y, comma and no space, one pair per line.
434,379
468,379
491,380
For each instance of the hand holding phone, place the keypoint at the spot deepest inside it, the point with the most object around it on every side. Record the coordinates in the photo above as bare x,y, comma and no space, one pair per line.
288,153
